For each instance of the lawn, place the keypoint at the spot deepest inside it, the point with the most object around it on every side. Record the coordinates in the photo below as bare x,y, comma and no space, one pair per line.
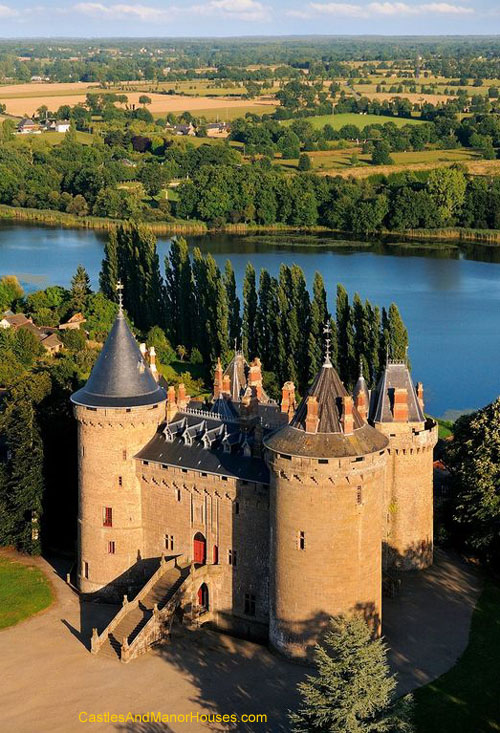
466,699
351,118
24,590
221,113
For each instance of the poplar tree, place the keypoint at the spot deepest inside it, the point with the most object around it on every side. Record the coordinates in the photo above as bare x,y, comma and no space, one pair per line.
140,272
319,317
301,306
179,294
249,312
352,689
361,336
288,334
345,338
110,274
267,320
233,303
212,312
397,335
373,346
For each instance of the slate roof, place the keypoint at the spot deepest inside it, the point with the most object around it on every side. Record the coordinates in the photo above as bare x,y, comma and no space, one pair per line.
359,387
205,444
395,376
238,369
120,377
329,441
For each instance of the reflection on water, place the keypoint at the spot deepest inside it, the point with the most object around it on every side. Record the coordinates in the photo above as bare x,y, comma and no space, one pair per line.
449,294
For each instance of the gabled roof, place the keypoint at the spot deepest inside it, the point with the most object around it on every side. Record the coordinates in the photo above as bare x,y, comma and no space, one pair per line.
238,370
361,387
120,377
395,376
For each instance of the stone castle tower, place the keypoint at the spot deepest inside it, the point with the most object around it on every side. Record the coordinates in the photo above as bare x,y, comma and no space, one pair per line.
327,488
118,412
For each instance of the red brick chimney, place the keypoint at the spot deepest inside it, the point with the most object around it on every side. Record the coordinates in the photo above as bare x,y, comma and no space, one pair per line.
255,377
420,394
347,418
288,403
226,385
152,363
360,404
400,410
171,403
182,397
312,418
218,380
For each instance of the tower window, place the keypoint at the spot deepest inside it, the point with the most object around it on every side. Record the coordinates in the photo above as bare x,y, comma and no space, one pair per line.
111,548
120,481
302,540
178,494
236,507
231,557
107,518
249,604
359,495
124,454
169,541
86,570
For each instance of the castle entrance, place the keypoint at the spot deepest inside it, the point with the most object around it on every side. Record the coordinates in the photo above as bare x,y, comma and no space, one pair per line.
199,549
203,597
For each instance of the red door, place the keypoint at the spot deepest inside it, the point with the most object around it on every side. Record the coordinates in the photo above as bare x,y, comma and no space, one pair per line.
203,596
199,549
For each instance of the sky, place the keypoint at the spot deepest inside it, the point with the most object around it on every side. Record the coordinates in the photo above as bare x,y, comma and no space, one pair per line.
96,18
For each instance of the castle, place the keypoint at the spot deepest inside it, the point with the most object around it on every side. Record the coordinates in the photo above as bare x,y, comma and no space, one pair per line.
293,512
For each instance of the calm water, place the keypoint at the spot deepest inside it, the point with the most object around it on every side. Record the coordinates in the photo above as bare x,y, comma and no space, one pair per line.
449,297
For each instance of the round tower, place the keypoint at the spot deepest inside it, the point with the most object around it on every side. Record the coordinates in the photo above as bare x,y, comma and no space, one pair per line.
327,478
118,412
398,412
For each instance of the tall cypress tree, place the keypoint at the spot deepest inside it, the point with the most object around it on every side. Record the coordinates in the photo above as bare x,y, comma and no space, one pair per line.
267,320
179,294
233,303
301,306
397,335
212,311
250,312
361,335
80,289
345,338
319,317
110,274
373,346
288,335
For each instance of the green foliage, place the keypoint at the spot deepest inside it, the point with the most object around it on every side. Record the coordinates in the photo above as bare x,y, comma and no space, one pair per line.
473,460
80,289
249,344
24,590
180,305
156,337
10,291
352,689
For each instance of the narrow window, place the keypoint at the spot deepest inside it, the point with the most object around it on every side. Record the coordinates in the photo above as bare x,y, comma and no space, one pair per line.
111,548
107,519
120,481
231,557
236,507
216,555
302,540
178,494
169,541
86,570
124,454
359,495
249,604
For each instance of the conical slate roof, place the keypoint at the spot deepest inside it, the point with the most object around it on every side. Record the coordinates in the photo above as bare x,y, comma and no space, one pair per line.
361,387
120,377
395,376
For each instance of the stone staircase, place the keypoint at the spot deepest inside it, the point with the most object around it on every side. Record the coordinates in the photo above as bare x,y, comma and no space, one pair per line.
142,622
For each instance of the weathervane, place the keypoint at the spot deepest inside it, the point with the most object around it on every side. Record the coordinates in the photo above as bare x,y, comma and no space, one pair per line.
119,290
327,331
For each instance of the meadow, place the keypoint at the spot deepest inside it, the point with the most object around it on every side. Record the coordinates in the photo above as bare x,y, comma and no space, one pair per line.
351,118
24,590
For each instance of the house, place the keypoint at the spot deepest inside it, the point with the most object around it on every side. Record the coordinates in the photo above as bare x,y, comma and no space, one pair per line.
188,129
46,335
62,125
28,126
14,320
218,129
74,322
128,163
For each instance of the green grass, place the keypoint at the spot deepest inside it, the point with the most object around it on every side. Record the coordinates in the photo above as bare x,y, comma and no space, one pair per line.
24,590
351,118
466,699
445,429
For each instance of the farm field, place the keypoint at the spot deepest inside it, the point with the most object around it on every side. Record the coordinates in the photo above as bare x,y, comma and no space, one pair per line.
21,99
351,118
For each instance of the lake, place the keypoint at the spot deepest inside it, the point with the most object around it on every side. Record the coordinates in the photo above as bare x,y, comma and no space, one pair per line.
449,296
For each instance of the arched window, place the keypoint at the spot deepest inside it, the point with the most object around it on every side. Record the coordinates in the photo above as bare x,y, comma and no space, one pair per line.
203,600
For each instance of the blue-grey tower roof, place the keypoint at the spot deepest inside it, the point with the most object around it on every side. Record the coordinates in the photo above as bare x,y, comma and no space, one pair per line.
120,377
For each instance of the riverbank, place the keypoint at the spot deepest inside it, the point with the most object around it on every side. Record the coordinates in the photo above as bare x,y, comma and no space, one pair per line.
176,226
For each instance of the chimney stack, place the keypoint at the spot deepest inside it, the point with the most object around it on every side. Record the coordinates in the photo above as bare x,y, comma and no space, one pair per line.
171,403
255,377
312,418
152,363
226,385
182,397
347,418
218,380
143,350
360,404
400,410
420,394
288,404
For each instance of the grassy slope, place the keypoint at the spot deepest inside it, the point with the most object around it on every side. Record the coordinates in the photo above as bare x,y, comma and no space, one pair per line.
24,590
466,699
350,118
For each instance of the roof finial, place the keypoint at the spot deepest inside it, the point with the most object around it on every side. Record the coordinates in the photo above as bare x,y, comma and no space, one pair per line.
119,290
327,331
361,375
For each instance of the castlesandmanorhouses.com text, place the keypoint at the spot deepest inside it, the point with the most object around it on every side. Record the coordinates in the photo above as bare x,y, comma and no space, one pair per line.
159,717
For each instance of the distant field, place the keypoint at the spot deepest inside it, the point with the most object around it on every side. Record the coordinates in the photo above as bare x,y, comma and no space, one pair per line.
52,138
348,118
228,112
23,99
